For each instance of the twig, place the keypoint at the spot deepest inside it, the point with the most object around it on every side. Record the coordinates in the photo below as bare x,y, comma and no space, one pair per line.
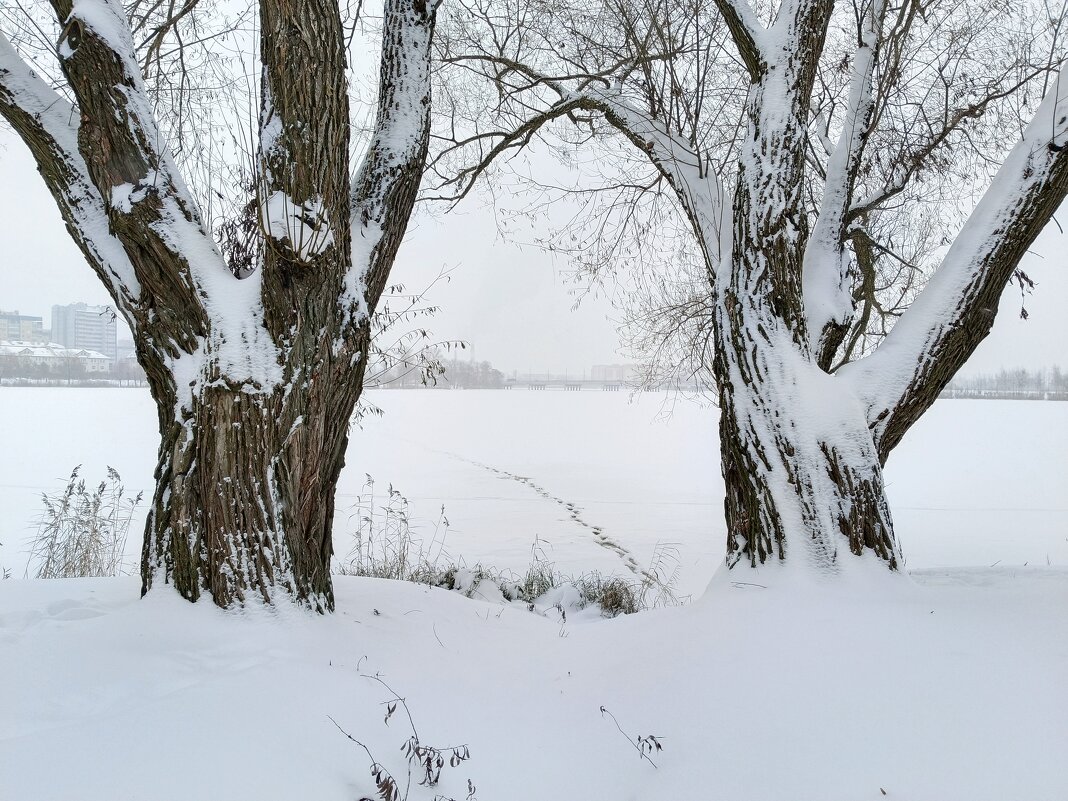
642,744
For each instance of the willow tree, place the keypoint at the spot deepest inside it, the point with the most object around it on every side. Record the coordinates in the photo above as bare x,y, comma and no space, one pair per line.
824,157
255,368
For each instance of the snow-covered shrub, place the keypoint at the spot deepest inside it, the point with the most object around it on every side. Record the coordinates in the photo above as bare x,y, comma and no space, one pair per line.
82,531
613,594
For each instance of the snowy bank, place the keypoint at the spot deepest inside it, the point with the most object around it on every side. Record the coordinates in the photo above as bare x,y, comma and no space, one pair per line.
951,686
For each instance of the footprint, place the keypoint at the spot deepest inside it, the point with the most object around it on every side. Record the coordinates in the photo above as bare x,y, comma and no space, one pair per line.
69,609
575,512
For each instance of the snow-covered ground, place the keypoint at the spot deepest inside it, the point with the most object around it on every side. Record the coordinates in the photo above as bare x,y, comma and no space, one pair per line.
949,685
951,689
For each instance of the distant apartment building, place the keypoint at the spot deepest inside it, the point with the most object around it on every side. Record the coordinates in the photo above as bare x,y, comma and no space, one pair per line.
15,326
614,372
79,326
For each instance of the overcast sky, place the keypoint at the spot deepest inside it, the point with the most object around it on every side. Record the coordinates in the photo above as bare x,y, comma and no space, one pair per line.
512,304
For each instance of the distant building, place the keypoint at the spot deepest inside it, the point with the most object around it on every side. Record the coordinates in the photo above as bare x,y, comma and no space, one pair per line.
79,326
15,326
613,372
53,357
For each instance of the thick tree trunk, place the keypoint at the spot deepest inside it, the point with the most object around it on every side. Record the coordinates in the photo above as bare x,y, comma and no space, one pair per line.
802,474
245,483
800,465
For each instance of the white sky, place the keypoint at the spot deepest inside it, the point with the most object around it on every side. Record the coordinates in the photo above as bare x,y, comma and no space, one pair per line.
512,304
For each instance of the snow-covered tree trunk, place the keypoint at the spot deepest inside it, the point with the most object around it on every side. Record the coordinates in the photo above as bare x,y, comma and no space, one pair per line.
244,500
255,379
800,468
799,464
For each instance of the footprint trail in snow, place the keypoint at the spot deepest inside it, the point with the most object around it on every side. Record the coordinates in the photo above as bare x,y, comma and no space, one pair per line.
575,513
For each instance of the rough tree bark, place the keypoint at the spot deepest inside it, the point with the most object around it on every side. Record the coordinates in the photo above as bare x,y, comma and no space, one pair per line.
255,380
798,462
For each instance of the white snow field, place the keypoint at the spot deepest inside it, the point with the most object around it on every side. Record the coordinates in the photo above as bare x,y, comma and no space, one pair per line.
947,684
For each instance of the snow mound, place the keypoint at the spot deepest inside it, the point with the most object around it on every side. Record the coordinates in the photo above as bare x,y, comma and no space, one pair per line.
948,687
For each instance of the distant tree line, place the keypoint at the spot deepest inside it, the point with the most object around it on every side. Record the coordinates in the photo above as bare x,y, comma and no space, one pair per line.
433,370
1050,383
472,375
72,372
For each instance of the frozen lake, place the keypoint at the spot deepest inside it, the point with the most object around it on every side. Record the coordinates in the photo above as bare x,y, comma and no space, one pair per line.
974,483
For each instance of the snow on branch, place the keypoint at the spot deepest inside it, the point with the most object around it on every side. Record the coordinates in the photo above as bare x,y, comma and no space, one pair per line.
690,174
386,183
693,178
122,145
747,33
303,226
956,309
827,270
108,167
46,123
402,124
304,189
